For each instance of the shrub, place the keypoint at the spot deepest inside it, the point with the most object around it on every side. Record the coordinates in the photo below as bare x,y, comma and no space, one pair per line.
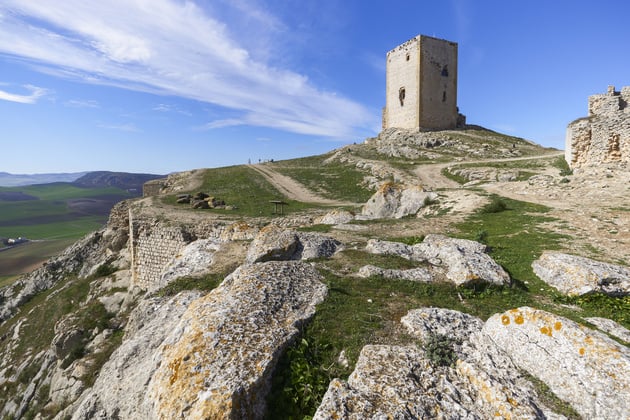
497,205
439,350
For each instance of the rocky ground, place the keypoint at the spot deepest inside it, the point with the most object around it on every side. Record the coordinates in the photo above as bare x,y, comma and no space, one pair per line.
343,310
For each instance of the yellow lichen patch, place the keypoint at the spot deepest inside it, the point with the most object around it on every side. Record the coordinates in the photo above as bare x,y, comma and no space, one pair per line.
174,366
518,319
505,320
546,330
557,326
581,351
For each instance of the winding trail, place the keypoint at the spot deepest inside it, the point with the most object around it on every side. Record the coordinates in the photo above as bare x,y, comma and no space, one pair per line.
431,174
294,190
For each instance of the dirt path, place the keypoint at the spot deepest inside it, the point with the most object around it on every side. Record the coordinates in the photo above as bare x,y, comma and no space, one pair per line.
431,174
293,189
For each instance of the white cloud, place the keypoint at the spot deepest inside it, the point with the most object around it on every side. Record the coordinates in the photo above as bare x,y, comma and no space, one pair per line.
76,103
36,93
174,48
121,127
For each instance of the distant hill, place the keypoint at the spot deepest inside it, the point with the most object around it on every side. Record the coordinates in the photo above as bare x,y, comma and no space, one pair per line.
123,180
19,180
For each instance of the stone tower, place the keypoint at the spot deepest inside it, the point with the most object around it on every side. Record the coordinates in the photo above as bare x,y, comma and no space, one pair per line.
421,85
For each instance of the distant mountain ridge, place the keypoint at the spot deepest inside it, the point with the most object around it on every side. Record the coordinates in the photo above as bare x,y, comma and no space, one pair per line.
20,180
122,180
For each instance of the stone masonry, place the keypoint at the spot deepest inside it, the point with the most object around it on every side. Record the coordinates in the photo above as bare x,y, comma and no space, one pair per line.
604,135
421,85
154,243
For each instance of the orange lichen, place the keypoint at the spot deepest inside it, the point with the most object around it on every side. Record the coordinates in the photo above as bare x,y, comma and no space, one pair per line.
505,320
174,366
546,330
581,351
518,319
557,326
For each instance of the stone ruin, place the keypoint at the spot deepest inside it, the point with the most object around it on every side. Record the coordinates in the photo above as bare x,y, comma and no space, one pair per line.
604,135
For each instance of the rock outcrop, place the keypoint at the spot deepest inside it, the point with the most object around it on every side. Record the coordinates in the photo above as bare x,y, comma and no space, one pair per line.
575,275
581,366
397,201
274,243
403,382
217,362
194,259
459,261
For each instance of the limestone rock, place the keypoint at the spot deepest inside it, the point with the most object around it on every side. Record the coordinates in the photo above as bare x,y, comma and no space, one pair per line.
273,243
194,259
611,327
459,261
401,382
581,366
419,274
575,275
120,389
464,261
276,243
239,231
314,245
335,217
425,322
396,201
217,362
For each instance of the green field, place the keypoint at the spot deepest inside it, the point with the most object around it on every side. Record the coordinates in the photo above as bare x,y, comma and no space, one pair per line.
52,216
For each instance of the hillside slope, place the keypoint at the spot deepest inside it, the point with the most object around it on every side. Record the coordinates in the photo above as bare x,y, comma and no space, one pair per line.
418,301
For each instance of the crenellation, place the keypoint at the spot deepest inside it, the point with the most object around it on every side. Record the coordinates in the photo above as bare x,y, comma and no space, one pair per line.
603,136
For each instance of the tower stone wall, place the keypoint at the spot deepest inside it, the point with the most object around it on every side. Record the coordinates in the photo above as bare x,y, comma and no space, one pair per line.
421,85
603,136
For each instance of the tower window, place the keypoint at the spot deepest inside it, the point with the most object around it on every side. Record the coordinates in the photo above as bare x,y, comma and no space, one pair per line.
401,96
445,71
444,96
407,57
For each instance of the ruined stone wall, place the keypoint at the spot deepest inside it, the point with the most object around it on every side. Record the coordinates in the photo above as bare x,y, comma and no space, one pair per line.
603,136
421,85
154,243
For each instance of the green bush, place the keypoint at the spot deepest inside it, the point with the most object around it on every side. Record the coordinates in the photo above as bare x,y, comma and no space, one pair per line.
439,350
496,205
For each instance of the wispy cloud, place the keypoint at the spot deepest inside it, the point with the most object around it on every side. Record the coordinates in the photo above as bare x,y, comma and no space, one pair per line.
121,127
35,94
170,108
174,48
76,103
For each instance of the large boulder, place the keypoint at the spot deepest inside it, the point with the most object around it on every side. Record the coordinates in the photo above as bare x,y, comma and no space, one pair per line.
403,382
581,366
274,243
458,261
418,274
217,362
120,390
335,217
396,201
462,261
194,259
611,327
575,275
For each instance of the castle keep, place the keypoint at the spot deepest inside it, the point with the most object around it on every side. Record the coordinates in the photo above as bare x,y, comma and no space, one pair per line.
603,136
421,85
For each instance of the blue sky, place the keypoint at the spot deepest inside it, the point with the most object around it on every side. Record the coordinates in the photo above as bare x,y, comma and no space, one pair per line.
169,85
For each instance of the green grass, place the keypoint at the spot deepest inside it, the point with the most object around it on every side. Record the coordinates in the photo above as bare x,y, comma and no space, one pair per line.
244,188
331,180
26,257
